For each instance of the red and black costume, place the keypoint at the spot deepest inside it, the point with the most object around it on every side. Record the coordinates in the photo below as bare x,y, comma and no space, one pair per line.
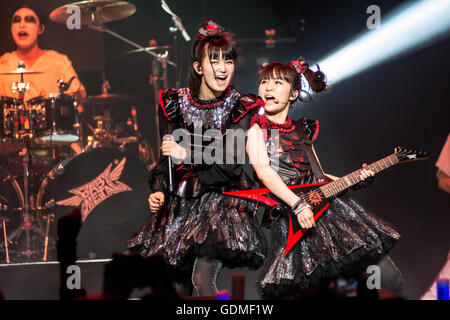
197,220
345,237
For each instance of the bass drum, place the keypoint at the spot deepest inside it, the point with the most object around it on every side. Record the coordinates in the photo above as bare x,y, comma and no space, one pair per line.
110,187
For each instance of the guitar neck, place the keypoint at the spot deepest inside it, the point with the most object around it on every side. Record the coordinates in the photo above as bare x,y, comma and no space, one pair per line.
333,188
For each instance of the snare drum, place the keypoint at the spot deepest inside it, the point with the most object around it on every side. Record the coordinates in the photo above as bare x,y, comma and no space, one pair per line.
16,119
110,187
56,119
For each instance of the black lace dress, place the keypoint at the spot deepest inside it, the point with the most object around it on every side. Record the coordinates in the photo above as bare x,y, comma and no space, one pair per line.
197,219
346,236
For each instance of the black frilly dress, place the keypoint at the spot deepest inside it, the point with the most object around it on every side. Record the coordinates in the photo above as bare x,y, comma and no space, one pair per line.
197,219
346,236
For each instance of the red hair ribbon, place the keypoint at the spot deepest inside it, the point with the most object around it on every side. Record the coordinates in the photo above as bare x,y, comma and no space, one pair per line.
211,29
298,66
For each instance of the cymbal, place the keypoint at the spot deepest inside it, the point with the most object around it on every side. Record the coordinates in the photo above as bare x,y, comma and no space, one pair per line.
94,10
21,71
147,49
108,99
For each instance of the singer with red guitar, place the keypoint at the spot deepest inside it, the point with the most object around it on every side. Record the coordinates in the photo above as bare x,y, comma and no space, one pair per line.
346,236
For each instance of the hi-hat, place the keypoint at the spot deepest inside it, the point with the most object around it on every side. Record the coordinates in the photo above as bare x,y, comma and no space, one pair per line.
93,10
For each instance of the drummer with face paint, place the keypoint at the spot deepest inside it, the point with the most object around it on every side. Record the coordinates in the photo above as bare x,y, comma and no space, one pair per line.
27,24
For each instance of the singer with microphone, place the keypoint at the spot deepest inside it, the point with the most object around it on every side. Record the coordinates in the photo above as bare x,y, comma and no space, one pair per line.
192,224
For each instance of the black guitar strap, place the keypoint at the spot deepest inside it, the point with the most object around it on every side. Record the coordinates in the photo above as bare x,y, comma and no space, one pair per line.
313,161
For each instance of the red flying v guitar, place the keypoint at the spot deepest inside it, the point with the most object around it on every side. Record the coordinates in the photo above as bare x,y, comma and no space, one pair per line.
318,195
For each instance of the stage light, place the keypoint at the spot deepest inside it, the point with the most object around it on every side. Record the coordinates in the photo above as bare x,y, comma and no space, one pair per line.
408,28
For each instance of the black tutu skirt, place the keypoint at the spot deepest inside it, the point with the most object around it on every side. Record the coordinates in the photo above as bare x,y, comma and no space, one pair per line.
345,238
213,225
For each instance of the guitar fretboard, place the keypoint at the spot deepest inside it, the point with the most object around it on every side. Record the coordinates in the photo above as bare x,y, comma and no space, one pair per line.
333,188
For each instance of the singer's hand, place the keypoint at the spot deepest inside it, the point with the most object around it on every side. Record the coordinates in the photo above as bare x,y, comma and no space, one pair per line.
173,149
155,201
306,219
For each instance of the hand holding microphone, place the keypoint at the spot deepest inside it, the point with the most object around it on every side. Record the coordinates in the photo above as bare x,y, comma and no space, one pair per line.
172,149
166,147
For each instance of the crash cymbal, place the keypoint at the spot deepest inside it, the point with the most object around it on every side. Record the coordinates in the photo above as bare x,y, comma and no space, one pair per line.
147,49
108,99
21,71
93,10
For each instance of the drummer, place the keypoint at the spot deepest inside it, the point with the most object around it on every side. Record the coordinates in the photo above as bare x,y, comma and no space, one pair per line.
27,24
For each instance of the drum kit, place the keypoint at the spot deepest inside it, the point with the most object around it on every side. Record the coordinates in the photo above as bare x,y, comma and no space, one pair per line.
53,157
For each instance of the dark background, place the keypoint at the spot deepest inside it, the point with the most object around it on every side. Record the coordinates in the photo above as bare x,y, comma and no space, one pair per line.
403,101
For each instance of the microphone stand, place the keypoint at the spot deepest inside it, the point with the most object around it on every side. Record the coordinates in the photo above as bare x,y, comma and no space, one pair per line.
178,27
101,27
159,59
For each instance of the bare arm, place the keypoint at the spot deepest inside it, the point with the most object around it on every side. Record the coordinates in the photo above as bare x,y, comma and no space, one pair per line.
256,150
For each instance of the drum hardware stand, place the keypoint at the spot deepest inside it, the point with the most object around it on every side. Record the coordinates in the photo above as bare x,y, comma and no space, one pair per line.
158,58
5,237
178,27
27,226
49,218
20,87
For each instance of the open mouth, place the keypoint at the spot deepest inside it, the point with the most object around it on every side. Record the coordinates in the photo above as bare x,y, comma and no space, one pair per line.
22,34
221,79
269,98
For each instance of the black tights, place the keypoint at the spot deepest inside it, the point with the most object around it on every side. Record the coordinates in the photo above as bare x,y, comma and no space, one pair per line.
204,276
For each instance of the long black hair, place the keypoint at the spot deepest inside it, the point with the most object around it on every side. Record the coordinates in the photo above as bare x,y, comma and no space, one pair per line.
210,37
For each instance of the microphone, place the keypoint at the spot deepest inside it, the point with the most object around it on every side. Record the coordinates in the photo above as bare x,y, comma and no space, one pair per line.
169,137
276,101
134,118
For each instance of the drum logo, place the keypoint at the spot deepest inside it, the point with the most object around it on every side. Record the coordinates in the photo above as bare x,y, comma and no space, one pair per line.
91,194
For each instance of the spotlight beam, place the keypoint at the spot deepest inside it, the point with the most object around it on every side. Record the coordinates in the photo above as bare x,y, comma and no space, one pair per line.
409,27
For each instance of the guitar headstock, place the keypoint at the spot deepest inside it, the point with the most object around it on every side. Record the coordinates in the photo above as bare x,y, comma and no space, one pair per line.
406,155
